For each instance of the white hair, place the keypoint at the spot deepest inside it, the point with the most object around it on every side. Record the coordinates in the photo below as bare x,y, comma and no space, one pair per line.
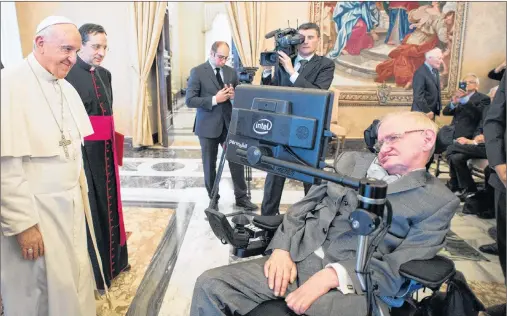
431,53
418,120
472,75
44,33
449,7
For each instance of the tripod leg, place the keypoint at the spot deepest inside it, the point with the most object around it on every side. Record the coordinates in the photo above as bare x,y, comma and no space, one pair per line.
248,178
216,184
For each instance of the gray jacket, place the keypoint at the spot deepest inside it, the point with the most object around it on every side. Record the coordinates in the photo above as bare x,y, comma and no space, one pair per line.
422,210
202,86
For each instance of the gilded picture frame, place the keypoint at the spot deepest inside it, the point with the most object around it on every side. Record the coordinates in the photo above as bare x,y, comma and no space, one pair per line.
388,93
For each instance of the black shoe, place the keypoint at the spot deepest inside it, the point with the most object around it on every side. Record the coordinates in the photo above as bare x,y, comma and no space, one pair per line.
466,193
246,204
491,249
486,215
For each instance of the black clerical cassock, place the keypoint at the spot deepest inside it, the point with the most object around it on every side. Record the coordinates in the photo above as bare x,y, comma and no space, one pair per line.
101,158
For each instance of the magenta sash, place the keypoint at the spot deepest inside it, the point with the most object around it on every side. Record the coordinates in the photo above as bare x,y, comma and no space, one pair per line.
103,127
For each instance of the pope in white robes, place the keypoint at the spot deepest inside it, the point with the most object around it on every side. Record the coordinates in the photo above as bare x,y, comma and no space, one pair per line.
45,267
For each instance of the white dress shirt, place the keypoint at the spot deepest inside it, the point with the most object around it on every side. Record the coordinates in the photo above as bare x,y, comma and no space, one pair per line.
214,99
297,64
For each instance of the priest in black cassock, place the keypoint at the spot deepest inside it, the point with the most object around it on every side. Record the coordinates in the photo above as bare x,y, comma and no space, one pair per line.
101,155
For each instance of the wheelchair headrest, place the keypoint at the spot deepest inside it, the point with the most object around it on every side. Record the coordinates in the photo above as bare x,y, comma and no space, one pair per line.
371,134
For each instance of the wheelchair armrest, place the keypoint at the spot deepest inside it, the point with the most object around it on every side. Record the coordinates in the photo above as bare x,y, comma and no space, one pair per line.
268,223
431,273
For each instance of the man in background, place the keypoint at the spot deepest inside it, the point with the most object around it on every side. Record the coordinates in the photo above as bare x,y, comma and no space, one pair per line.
45,266
467,108
306,70
100,155
211,91
463,138
494,134
426,85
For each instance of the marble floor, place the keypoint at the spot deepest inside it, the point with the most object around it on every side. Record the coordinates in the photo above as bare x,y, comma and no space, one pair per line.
172,178
145,228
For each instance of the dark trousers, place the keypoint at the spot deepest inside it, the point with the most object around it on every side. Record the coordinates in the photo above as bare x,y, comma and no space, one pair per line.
273,188
500,226
457,156
209,150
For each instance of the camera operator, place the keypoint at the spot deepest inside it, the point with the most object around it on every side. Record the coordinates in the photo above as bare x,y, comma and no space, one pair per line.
306,70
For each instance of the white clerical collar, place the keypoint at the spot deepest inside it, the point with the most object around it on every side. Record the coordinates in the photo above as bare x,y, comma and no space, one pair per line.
40,71
299,58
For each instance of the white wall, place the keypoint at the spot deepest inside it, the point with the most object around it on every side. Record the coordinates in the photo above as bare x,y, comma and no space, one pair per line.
220,30
9,40
121,60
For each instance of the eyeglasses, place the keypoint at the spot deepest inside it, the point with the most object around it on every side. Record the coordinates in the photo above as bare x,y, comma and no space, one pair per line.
225,58
393,138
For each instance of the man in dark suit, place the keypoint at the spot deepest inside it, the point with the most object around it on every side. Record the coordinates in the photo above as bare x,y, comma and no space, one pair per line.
495,135
426,85
210,90
313,253
463,139
466,107
306,70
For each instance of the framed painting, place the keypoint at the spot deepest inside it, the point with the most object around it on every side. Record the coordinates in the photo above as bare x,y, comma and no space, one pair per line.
378,45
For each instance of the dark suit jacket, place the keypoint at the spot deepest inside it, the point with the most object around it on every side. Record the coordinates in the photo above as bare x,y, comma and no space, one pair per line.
496,76
426,89
422,211
80,78
318,73
495,133
202,86
467,117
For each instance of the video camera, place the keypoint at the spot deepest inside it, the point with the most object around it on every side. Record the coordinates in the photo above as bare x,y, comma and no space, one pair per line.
247,74
286,131
286,40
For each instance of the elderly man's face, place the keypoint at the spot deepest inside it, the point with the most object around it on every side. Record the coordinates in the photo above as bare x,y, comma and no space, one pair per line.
59,48
435,60
403,147
471,84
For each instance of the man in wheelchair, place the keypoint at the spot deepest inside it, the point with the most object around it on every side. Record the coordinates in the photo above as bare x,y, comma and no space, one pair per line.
313,253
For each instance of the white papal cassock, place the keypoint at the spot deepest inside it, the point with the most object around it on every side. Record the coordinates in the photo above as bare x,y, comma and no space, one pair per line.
41,185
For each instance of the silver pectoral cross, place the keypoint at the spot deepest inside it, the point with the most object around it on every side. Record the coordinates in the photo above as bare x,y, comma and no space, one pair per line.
64,143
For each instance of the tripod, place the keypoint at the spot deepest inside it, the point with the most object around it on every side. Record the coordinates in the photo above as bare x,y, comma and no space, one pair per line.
214,192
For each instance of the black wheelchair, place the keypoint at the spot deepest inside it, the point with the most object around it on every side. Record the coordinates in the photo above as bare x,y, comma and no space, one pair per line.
294,153
250,238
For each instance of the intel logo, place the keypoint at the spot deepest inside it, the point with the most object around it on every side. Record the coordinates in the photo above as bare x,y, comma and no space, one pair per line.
262,126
